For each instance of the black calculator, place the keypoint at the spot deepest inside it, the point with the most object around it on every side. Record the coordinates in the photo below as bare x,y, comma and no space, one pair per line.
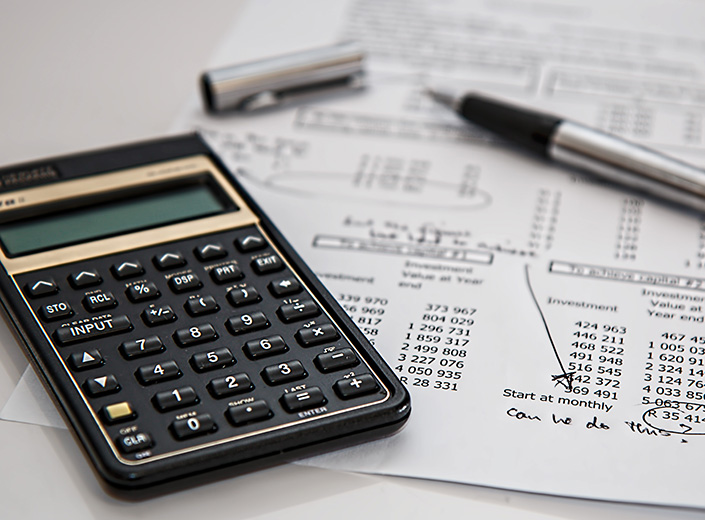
173,325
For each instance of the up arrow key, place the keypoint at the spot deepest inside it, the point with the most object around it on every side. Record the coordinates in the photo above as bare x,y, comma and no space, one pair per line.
85,279
169,260
127,270
210,252
42,288
250,243
86,359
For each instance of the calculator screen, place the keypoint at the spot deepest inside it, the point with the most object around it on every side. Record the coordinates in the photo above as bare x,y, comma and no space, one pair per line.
87,221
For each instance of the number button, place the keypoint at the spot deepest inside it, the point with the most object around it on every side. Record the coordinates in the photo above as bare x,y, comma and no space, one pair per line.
265,347
199,305
154,315
193,426
150,374
176,398
243,295
195,335
56,311
283,373
142,291
230,385
247,323
141,347
249,412
218,358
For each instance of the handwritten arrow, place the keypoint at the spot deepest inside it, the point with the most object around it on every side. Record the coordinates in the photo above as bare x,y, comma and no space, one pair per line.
565,378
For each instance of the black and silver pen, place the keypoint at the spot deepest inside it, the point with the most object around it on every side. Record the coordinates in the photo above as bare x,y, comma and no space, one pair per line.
586,148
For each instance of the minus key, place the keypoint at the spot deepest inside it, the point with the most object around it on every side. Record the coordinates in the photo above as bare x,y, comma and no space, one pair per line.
336,360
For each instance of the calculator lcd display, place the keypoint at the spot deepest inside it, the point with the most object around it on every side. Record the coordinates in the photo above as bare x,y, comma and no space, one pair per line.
136,212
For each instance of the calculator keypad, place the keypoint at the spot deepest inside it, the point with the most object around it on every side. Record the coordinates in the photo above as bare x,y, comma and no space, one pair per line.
198,341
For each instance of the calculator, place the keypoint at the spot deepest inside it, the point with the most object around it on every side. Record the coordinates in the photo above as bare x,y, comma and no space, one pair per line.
175,328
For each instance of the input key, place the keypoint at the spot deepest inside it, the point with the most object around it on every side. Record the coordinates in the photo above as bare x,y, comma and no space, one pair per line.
92,329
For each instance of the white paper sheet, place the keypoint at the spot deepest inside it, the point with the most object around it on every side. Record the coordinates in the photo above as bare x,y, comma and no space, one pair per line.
29,403
450,249
549,327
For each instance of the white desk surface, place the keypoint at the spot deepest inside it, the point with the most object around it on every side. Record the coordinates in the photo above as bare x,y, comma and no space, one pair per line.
77,75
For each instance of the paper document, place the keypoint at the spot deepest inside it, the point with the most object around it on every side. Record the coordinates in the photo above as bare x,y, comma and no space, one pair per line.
551,328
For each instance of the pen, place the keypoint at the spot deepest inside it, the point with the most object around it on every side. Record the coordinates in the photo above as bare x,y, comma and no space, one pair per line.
580,146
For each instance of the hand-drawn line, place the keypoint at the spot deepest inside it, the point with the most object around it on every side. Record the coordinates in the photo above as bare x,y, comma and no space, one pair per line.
564,378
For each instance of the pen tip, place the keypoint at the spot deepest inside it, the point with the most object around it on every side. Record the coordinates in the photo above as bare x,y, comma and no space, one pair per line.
443,96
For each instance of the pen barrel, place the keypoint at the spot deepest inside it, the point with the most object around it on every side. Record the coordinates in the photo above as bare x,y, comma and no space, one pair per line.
629,164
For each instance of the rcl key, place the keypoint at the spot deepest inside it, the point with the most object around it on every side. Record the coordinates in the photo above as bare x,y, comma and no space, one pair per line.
99,301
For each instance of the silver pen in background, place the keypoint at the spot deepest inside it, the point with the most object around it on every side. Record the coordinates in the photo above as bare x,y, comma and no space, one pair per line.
582,147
